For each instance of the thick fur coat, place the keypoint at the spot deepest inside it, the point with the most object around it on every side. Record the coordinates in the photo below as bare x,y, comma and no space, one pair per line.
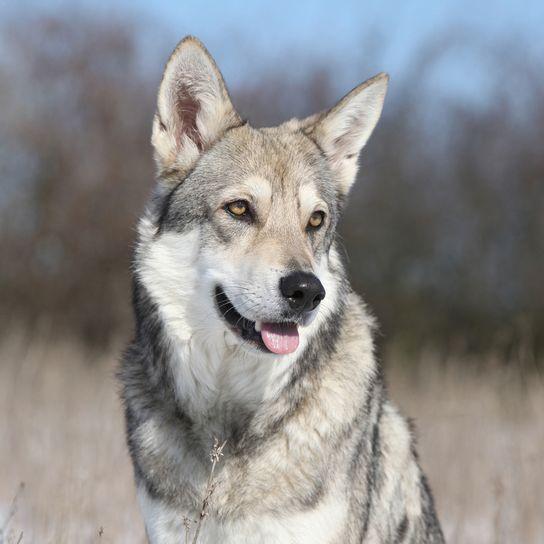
315,451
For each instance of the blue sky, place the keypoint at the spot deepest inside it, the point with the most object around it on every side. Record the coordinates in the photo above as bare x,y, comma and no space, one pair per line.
359,38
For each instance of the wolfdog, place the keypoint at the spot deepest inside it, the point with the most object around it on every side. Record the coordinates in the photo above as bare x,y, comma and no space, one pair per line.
247,330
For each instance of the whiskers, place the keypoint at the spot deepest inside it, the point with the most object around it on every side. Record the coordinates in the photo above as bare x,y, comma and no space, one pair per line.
236,290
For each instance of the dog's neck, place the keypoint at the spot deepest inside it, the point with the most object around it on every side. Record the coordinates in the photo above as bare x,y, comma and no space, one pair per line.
214,375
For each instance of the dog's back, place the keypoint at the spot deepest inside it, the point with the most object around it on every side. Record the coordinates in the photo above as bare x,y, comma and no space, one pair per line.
247,331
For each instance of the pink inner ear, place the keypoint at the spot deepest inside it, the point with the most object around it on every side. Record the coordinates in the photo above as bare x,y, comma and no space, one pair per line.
187,109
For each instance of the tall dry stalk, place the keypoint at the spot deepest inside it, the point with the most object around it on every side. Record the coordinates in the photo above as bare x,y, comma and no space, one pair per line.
11,513
215,456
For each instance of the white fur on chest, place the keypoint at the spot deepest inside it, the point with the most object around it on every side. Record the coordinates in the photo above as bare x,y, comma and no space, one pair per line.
165,525
213,372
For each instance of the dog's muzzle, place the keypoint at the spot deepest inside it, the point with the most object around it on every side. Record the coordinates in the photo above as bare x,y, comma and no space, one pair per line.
280,338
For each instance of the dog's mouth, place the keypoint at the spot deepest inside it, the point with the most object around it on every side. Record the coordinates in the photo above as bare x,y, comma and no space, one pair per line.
279,338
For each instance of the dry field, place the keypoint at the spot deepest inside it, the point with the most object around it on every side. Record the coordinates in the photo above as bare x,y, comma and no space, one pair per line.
481,439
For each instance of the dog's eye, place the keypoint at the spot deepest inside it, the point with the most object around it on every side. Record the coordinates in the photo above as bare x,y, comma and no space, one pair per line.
316,219
238,208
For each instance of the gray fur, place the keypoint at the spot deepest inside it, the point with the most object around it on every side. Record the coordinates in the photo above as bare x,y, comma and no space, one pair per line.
320,437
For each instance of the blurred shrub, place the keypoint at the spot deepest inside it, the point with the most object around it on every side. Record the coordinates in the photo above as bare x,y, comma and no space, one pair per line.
444,230
75,170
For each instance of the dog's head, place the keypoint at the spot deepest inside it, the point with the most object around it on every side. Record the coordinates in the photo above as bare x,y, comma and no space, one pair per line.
238,241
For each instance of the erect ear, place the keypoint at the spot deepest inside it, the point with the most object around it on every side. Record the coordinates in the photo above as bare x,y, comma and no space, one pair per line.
193,107
344,130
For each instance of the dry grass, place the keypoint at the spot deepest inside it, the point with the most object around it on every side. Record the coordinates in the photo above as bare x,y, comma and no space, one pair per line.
62,434
481,442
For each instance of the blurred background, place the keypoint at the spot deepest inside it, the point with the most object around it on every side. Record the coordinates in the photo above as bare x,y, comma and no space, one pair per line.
444,233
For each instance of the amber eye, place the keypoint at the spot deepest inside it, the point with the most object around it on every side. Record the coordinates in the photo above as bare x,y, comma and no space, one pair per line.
238,208
316,219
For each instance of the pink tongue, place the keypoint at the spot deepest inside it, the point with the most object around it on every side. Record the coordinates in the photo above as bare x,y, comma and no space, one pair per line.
280,338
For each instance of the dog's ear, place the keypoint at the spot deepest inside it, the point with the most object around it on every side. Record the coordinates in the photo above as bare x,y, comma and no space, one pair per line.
342,131
193,107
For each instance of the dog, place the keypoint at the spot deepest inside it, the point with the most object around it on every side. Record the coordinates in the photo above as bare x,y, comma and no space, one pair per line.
247,331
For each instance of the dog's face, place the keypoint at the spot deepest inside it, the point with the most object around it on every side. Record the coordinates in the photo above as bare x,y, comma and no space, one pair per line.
245,218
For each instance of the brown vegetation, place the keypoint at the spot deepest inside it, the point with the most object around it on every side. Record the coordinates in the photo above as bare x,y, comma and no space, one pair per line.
444,231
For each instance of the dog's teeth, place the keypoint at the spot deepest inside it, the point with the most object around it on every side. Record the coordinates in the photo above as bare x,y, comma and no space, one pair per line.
258,326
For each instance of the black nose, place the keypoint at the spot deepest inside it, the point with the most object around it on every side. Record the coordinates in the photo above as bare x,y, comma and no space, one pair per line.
303,291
